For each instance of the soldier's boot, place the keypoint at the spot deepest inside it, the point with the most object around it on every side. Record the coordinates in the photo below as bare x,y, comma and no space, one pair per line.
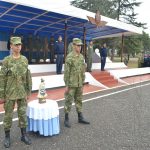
7,139
81,119
66,122
24,137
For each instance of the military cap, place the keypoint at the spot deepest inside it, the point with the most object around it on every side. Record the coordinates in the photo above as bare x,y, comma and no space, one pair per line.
77,41
42,80
15,40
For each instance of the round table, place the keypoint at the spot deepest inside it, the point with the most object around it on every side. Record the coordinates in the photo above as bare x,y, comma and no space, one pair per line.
43,117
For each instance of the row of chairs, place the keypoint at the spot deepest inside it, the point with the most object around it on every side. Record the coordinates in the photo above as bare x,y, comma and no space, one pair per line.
37,56
33,57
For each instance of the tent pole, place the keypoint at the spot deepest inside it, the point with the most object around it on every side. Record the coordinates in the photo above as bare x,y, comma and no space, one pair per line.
65,40
122,46
84,41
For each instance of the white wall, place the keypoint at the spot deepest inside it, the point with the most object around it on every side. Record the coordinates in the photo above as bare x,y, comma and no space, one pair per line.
129,72
53,81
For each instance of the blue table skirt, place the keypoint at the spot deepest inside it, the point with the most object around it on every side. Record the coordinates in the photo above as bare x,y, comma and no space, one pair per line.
45,127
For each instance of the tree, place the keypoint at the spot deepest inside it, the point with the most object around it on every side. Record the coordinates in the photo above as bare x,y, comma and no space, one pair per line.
145,41
104,6
132,45
125,11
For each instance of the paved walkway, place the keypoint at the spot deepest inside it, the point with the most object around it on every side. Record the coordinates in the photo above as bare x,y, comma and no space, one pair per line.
120,120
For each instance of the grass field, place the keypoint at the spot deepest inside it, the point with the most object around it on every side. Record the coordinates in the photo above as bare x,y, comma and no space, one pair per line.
133,62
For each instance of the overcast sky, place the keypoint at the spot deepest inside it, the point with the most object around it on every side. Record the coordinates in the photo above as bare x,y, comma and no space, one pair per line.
143,12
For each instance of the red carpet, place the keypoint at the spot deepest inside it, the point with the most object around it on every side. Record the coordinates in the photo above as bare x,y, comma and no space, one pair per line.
105,78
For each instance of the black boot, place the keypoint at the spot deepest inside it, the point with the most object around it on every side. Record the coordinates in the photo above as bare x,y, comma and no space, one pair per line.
7,139
24,137
66,122
81,119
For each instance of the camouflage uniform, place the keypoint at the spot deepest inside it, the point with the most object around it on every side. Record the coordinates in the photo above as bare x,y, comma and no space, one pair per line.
89,55
15,87
74,76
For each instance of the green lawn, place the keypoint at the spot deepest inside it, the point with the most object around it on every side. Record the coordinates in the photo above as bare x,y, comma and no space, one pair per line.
133,62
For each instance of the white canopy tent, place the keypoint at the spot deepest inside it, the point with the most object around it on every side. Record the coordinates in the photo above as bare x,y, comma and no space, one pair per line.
113,27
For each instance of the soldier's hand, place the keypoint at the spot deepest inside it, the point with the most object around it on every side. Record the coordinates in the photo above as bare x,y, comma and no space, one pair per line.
67,90
82,88
2,101
27,98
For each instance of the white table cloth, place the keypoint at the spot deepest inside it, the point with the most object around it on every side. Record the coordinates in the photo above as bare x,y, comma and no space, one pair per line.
43,117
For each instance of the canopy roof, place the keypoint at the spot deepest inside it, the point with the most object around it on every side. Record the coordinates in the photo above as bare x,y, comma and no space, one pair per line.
48,17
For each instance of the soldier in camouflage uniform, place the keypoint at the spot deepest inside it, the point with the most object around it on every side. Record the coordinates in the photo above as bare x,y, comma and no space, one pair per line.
89,55
15,87
74,76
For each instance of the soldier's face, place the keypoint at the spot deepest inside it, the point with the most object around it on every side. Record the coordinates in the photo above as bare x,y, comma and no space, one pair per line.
77,48
16,48
60,39
104,45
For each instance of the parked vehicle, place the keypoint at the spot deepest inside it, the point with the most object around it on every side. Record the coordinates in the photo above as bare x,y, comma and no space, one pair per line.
146,59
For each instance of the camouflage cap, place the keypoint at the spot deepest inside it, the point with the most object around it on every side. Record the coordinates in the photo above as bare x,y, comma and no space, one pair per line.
15,40
77,41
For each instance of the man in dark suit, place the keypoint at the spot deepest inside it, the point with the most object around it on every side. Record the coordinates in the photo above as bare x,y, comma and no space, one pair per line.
103,53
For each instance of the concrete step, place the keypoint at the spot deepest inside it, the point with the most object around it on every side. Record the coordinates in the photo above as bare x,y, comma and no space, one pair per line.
105,78
102,73
109,81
